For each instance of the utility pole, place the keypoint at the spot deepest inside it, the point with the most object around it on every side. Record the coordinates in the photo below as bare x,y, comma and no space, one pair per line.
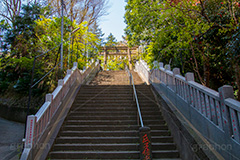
61,54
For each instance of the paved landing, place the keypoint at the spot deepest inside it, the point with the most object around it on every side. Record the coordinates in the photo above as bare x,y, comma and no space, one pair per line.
115,78
11,134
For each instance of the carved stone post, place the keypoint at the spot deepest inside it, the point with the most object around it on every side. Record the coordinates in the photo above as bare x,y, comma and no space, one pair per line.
145,143
105,60
176,71
129,59
225,92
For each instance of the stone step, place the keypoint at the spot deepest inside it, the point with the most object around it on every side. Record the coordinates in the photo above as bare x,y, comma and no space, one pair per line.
103,100
94,154
114,86
104,103
112,133
111,95
109,127
107,87
111,154
97,140
111,113
165,154
107,108
122,117
128,91
112,122
127,159
126,105
119,139
103,124
97,147
130,133
111,147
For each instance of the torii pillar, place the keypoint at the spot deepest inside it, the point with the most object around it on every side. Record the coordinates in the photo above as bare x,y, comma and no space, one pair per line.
105,59
129,59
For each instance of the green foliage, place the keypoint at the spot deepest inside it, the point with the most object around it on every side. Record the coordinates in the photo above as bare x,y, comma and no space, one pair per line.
20,38
111,40
115,62
32,34
188,35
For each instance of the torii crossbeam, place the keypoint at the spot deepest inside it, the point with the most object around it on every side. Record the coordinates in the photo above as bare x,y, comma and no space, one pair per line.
118,51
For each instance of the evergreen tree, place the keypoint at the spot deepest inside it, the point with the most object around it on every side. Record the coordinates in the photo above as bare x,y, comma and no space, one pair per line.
111,40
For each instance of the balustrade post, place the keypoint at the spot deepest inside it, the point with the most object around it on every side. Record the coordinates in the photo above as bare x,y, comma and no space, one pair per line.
189,77
161,65
167,68
225,92
30,135
49,98
69,71
75,64
155,64
145,143
60,82
176,71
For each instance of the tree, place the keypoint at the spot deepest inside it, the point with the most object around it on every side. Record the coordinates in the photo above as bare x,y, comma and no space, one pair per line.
9,9
20,43
192,35
98,32
111,40
80,10
20,38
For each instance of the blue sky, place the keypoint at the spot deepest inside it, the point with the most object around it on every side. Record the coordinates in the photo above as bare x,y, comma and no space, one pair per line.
114,21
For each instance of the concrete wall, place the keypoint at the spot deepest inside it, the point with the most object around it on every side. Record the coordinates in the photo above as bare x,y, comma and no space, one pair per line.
15,113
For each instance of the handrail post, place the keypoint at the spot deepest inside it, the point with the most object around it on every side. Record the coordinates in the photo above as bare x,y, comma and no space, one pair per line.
145,143
144,132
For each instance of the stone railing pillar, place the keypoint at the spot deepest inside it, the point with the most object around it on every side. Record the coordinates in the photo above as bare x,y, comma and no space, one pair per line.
161,65
176,71
49,97
60,82
75,64
31,122
168,67
69,71
145,143
225,92
155,64
189,77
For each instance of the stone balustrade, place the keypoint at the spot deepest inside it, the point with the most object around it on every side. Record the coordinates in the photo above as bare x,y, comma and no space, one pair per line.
216,115
37,124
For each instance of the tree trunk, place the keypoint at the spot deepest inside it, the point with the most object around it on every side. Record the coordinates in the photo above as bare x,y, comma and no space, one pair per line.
237,75
206,68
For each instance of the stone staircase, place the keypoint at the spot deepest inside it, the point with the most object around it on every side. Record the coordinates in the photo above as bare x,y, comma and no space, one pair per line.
102,124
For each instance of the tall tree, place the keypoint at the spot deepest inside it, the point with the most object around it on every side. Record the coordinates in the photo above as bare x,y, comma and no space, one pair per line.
81,10
21,36
9,9
111,40
192,35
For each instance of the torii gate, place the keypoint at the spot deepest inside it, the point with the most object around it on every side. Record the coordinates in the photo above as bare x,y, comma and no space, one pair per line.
128,52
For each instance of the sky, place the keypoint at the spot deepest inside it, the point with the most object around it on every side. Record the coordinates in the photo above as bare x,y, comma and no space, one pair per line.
114,21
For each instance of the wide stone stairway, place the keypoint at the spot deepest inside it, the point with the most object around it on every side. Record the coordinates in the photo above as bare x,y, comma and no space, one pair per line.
102,122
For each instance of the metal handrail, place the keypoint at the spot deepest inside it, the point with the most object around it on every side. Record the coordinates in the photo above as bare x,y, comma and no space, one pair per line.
135,95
